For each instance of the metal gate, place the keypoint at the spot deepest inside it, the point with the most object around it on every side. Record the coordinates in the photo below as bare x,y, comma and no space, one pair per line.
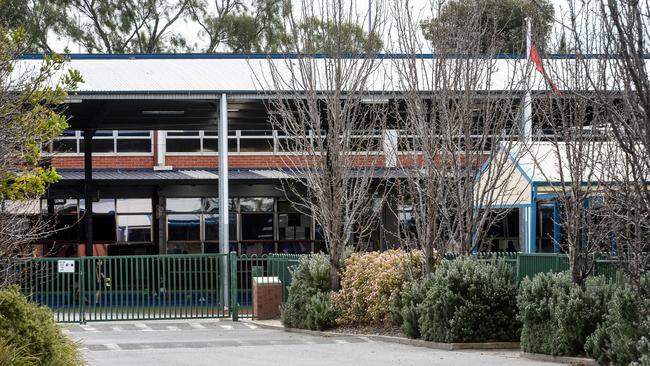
149,287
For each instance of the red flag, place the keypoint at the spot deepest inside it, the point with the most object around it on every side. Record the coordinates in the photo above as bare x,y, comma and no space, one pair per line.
534,57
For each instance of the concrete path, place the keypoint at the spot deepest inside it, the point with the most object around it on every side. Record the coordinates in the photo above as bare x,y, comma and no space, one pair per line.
214,342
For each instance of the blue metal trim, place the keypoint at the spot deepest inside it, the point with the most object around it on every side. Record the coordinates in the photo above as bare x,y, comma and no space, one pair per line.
142,56
547,195
556,227
532,225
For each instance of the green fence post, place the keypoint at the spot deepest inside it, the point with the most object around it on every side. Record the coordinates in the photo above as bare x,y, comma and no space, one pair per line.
233,285
82,292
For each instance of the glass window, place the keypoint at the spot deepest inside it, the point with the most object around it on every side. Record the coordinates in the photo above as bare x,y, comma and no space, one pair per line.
134,145
211,204
134,228
212,227
134,205
257,226
184,204
294,226
184,248
255,145
183,227
64,146
104,206
256,204
183,145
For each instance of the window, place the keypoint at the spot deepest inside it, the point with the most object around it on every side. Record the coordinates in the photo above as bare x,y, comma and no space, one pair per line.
198,141
256,141
134,220
195,221
104,141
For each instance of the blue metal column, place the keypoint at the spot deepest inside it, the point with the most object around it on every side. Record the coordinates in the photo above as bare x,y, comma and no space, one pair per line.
556,227
532,224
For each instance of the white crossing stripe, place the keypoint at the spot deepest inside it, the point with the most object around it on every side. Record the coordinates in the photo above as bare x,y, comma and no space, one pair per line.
89,328
197,326
228,327
117,329
367,339
340,341
172,327
251,326
143,327
112,347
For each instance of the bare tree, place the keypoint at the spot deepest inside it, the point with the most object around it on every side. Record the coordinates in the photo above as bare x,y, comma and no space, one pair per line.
619,86
460,109
330,123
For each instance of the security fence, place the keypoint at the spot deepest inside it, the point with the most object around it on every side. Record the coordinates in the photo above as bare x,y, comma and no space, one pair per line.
197,286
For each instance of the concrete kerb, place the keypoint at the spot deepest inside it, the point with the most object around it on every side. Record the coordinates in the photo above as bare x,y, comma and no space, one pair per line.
560,359
398,340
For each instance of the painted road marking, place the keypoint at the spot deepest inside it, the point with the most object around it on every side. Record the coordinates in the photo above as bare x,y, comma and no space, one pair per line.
143,327
112,347
251,326
341,341
89,328
117,329
172,327
197,326
227,327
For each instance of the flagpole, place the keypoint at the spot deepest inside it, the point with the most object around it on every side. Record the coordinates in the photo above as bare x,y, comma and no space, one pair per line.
527,120
526,235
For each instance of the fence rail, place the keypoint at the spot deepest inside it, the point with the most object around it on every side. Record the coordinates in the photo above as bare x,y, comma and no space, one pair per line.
195,286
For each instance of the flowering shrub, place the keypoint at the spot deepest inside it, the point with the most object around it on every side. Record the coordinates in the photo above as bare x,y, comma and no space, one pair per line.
370,280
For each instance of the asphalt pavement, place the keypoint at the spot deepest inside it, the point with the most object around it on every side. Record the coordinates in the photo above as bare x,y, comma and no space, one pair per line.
223,342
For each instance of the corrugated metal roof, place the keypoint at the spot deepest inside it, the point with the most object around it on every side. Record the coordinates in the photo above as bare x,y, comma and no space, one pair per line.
250,75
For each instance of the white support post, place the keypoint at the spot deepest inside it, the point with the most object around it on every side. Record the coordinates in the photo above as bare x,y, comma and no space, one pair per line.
224,246
526,131
161,150
391,139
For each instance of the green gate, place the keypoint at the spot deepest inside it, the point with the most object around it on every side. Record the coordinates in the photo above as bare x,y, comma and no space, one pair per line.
149,287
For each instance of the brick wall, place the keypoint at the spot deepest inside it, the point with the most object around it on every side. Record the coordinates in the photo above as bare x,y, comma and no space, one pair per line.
104,162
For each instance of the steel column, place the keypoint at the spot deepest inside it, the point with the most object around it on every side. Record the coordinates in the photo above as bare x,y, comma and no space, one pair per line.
224,246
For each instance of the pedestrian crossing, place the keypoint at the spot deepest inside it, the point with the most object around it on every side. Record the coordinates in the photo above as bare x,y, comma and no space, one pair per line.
157,327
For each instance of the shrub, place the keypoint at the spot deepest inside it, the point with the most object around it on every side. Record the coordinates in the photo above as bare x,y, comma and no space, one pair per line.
643,348
469,301
405,308
320,314
558,315
614,341
370,280
29,334
309,277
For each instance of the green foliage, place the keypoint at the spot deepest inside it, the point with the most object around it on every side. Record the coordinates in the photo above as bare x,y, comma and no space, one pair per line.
558,315
470,301
643,348
31,115
29,335
406,309
318,36
494,25
320,313
614,341
370,280
310,277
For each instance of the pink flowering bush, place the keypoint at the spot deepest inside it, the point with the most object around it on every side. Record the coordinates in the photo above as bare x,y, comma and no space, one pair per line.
370,280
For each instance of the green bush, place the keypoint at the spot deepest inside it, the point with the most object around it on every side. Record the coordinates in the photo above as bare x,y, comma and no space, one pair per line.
614,341
310,277
320,314
370,280
643,348
405,308
469,301
557,315
29,335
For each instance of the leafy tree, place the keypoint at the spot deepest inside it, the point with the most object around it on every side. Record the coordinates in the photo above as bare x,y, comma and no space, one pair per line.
241,28
503,21
37,17
31,95
125,26
318,36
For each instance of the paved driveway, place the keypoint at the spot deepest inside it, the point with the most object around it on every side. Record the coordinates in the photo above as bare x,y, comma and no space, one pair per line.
212,342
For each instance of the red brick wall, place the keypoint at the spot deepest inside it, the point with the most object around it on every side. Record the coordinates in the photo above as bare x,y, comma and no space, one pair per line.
195,161
104,162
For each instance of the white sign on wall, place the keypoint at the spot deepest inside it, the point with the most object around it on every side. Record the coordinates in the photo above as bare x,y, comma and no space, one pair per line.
65,266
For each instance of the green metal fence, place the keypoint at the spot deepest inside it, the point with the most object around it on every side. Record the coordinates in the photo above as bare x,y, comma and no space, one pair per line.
197,286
